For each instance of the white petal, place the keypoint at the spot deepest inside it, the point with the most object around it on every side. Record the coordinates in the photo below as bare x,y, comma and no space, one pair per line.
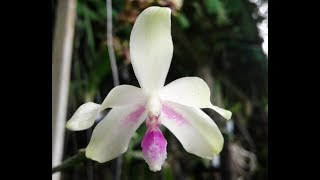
225,113
193,92
84,117
196,131
124,95
151,47
111,136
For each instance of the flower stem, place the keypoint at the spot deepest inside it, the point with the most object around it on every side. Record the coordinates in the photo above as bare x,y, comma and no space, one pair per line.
70,162
113,62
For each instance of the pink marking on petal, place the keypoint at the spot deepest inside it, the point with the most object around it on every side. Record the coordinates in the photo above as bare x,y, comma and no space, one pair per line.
134,116
170,113
154,148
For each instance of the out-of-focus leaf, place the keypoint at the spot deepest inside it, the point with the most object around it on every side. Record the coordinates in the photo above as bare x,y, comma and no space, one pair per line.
167,172
99,70
84,10
236,107
182,20
90,37
217,7
198,14
212,6
84,21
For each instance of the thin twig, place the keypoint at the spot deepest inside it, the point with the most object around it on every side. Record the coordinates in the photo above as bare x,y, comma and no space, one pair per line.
244,131
114,69
112,57
90,162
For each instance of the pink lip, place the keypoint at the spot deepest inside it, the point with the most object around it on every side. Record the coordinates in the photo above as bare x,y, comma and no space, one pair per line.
154,148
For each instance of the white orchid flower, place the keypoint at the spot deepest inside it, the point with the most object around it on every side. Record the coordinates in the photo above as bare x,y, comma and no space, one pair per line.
176,105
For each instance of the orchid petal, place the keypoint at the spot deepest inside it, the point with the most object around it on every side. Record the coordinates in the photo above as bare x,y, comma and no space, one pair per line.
193,92
124,95
111,136
196,131
84,117
151,47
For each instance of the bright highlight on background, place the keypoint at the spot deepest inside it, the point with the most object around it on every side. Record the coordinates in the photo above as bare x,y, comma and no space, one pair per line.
263,26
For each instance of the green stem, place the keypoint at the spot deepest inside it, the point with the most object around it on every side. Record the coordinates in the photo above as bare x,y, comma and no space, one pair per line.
70,162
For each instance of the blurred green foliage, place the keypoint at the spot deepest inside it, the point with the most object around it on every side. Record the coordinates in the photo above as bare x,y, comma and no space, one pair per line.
217,40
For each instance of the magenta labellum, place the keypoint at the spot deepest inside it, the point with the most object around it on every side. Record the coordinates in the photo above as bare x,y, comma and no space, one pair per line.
154,145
